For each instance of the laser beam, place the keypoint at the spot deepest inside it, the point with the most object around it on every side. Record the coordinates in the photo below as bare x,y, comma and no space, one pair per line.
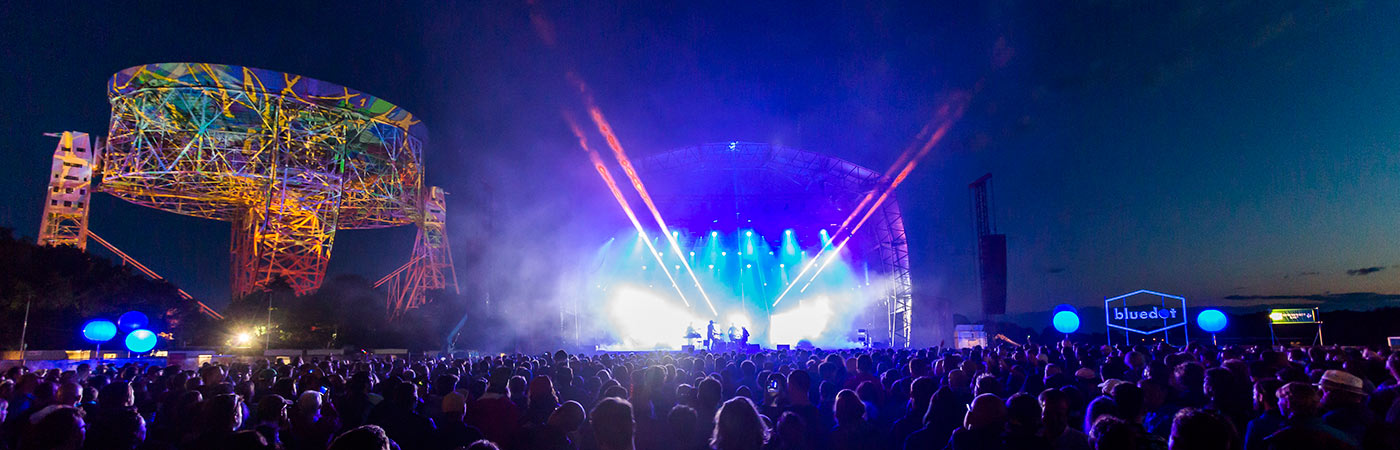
605,129
621,200
947,115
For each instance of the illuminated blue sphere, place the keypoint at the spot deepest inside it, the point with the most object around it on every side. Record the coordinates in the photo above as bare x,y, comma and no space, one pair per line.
1211,320
132,321
99,331
141,341
1066,321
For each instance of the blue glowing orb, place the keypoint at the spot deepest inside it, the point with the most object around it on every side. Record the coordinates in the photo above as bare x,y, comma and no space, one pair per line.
1211,320
132,321
1066,322
99,331
141,341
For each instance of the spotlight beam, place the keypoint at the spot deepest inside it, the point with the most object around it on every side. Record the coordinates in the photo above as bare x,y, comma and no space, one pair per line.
621,200
948,114
606,130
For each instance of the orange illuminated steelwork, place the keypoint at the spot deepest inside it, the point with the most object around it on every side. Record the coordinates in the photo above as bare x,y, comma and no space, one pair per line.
431,266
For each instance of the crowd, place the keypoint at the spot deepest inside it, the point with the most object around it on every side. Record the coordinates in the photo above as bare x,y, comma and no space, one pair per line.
1068,396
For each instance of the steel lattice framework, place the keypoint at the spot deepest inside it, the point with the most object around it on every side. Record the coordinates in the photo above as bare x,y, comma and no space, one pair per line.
431,266
288,159
843,182
70,191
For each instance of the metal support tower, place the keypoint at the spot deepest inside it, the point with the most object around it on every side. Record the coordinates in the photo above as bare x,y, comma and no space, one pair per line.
894,256
431,267
70,189
981,207
991,250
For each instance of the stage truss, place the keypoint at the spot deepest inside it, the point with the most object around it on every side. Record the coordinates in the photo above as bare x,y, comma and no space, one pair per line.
842,181
289,160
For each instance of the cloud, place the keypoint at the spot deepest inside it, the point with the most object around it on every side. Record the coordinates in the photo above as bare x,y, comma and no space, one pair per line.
1349,297
1365,271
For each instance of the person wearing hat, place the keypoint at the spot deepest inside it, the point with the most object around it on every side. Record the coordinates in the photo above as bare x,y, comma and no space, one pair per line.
1344,403
453,432
1304,429
271,416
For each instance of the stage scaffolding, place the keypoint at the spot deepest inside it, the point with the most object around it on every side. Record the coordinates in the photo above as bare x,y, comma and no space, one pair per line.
841,181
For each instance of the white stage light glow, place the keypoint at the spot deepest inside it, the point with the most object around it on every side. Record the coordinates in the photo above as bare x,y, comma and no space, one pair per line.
645,321
805,322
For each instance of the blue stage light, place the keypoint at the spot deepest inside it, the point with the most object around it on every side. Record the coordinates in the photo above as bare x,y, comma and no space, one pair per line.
748,233
132,321
99,331
1212,320
1066,321
141,341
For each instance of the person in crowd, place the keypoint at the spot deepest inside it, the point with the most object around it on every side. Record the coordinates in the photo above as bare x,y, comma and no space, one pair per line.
1267,419
452,430
683,423
852,430
493,412
1204,429
791,434
1299,403
1023,423
314,420
612,424
920,396
1344,403
1109,432
1054,417
540,401
59,428
272,419
1119,396
364,437
739,427
1099,407
983,425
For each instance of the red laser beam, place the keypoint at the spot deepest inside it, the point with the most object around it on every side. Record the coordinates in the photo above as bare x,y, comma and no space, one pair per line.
605,129
621,200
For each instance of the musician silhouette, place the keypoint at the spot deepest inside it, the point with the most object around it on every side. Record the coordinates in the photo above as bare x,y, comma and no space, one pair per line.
710,336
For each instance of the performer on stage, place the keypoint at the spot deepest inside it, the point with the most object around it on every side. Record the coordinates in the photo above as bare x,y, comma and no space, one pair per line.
710,336
744,337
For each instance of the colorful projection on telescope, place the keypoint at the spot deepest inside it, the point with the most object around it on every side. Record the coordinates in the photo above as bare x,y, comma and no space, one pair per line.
288,159
743,271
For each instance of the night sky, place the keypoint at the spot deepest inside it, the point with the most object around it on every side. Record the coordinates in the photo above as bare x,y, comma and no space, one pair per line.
1236,153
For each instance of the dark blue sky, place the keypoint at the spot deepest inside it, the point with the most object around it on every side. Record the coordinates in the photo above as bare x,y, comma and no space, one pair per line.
1235,153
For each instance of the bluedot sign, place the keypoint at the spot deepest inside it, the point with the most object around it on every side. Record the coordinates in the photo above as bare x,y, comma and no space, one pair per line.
1145,313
